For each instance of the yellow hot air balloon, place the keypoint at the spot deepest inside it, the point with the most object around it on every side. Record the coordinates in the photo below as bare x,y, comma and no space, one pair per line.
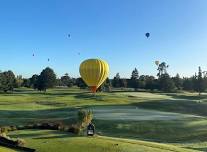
157,63
94,72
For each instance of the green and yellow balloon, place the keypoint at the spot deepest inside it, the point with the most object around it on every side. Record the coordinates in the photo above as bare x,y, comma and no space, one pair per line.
94,72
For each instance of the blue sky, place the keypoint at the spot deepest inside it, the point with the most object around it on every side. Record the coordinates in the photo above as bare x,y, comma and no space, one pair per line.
113,30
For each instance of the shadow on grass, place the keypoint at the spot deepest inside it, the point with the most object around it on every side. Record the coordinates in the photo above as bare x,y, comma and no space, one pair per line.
53,137
187,97
199,149
41,134
17,117
174,131
180,106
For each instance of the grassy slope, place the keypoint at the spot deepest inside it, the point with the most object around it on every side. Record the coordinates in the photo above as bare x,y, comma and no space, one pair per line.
28,106
3,149
54,141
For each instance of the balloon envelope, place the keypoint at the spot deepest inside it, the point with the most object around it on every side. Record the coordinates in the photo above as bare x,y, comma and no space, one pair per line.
94,72
147,35
157,63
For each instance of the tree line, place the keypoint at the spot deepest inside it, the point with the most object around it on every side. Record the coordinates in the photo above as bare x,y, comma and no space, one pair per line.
163,82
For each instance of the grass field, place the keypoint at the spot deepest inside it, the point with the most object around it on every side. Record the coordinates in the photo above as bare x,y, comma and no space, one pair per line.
53,141
127,118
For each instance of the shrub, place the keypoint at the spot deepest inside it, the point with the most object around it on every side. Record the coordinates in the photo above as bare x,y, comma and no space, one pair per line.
76,129
5,129
84,117
13,128
20,142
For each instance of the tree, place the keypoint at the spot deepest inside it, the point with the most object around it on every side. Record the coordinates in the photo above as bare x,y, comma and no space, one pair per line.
123,83
26,83
142,81
187,84
18,81
135,74
66,80
7,81
116,82
80,83
47,79
150,83
34,81
134,79
106,86
166,84
178,82
199,83
162,69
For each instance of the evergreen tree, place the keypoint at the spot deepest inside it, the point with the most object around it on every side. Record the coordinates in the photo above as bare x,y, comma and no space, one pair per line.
178,82
199,83
123,83
142,81
150,83
47,79
166,84
187,84
162,69
134,79
116,82
135,74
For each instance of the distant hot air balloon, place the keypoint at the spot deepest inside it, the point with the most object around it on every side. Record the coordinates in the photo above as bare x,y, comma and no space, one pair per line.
48,59
94,72
157,63
33,54
68,35
147,35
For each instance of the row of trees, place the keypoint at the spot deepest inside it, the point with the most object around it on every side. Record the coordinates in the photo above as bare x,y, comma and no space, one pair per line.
163,82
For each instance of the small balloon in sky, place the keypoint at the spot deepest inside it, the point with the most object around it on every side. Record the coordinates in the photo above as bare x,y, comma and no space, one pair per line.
68,35
157,62
48,59
33,54
147,35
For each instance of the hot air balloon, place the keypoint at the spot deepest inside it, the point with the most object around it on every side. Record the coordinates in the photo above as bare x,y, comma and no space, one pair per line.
94,72
147,34
48,59
157,63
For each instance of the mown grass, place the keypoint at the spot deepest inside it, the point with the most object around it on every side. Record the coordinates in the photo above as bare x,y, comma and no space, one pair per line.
3,149
54,141
147,116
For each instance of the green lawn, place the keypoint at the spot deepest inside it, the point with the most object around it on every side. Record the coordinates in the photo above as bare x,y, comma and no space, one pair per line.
54,141
176,119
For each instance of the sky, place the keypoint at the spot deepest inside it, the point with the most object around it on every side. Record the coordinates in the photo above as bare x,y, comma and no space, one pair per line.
113,30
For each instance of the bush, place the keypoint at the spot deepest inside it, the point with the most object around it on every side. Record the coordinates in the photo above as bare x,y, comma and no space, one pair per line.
13,128
84,117
20,142
76,129
5,129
